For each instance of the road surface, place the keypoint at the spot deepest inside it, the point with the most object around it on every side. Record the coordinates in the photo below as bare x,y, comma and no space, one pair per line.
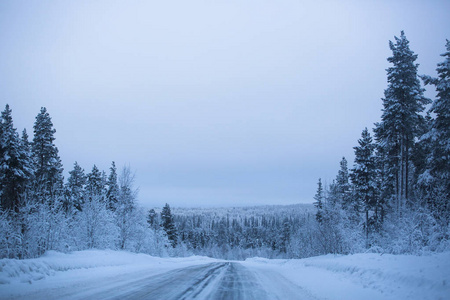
220,280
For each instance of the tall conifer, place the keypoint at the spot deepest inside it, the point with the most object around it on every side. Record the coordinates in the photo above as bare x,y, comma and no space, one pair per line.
15,166
48,167
437,174
400,121
363,177
75,186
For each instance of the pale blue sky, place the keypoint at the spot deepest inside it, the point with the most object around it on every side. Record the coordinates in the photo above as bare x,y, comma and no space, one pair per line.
212,103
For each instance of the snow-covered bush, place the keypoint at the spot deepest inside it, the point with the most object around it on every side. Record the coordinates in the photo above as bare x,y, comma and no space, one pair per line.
415,232
43,227
9,236
94,226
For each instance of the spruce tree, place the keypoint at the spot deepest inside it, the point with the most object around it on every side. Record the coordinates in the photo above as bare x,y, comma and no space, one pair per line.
437,173
27,156
319,197
168,225
342,185
363,178
112,193
48,174
285,235
95,184
400,121
25,142
75,186
15,169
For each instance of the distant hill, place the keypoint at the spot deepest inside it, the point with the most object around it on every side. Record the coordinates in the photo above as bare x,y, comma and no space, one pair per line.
248,211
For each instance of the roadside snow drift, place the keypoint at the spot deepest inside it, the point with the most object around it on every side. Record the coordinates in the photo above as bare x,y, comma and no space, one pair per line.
366,276
52,262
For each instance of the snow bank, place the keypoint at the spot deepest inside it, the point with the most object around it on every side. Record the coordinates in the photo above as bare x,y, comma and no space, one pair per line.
29,270
367,276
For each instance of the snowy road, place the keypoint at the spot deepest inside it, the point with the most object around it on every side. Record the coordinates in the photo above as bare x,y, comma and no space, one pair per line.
107,274
219,280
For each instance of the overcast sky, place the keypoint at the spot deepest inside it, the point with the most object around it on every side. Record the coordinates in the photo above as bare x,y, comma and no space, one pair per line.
211,103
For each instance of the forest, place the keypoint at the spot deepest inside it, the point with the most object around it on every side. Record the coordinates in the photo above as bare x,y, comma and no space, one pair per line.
394,198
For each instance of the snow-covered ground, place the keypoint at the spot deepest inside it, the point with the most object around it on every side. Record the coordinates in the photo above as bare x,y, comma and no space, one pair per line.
99,269
365,276
123,275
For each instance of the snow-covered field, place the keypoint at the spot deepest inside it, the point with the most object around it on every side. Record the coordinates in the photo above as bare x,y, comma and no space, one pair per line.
123,275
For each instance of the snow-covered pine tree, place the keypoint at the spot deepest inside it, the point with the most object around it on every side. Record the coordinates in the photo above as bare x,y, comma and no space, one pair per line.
285,235
342,186
95,184
152,219
112,193
48,174
330,234
423,151
28,159
437,173
75,186
339,217
319,197
15,168
363,177
398,129
25,142
168,225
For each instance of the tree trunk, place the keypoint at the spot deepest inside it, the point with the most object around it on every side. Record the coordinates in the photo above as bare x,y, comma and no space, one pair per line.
367,228
407,169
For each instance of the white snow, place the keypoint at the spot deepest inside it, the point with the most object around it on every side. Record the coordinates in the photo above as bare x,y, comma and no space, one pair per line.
60,270
360,276
366,276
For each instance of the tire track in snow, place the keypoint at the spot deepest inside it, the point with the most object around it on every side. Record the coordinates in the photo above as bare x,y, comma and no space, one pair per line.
218,281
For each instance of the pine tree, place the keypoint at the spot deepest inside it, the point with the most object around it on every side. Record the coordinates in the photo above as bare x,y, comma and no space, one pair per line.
401,118
342,185
285,235
95,183
168,225
15,169
75,186
152,219
48,167
437,174
27,157
319,197
423,152
25,142
363,177
112,193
